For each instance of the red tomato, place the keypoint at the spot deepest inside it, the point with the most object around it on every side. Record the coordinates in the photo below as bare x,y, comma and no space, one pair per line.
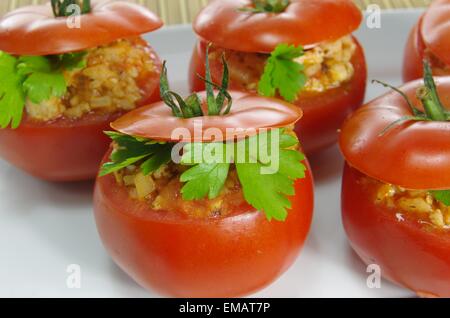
429,39
413,155
180,256
324,113
304,22
224,25
64,149
406,253
183,256
33,30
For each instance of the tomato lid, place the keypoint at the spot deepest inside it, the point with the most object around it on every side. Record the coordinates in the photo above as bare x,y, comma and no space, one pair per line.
413,155
249,114
435,29
33,30
304,22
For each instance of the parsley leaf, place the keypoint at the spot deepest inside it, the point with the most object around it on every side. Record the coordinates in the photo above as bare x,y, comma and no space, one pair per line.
131,150
442,196
37,78
12,97
42,82
268,192
265,187
72,61
282,73
161,157
204,180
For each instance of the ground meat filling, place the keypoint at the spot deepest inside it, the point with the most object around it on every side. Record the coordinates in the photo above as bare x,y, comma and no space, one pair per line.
162,190
327,65
420,204
109,82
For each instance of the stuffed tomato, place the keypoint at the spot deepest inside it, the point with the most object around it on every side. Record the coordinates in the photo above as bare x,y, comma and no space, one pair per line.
64,79
299,50
429,39
187,208
395,191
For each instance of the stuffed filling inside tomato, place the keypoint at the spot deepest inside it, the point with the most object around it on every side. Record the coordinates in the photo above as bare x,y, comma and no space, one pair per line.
108,80
421,206
326,66
163,189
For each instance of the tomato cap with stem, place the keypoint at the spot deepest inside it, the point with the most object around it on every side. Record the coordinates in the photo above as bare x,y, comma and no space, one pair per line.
402,137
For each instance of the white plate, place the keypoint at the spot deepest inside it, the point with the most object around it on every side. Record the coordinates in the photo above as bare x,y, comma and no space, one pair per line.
46,227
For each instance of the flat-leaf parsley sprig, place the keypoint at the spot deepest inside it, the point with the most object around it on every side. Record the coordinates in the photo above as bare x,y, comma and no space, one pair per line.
36,78
283,75
266,192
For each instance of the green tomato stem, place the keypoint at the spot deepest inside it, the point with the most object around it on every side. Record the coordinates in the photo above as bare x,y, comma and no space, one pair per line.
60,7
433,110
429,96
267,6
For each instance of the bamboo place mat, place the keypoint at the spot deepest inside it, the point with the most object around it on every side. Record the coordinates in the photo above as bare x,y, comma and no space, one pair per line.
184,11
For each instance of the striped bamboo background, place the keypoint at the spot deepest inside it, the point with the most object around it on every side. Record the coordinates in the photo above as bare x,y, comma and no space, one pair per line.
183,11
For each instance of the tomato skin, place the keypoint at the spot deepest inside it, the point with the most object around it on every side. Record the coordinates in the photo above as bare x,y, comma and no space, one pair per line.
178,256
430,36
413,155
197,67
324,113
63,150
68,150
413,56
304,22
407,254
33,30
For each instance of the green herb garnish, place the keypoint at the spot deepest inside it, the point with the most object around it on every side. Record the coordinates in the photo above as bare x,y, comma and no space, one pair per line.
442,196
282,74
267,6
205,180
427,94
265,186
12,96
37,78
266,165
131,150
